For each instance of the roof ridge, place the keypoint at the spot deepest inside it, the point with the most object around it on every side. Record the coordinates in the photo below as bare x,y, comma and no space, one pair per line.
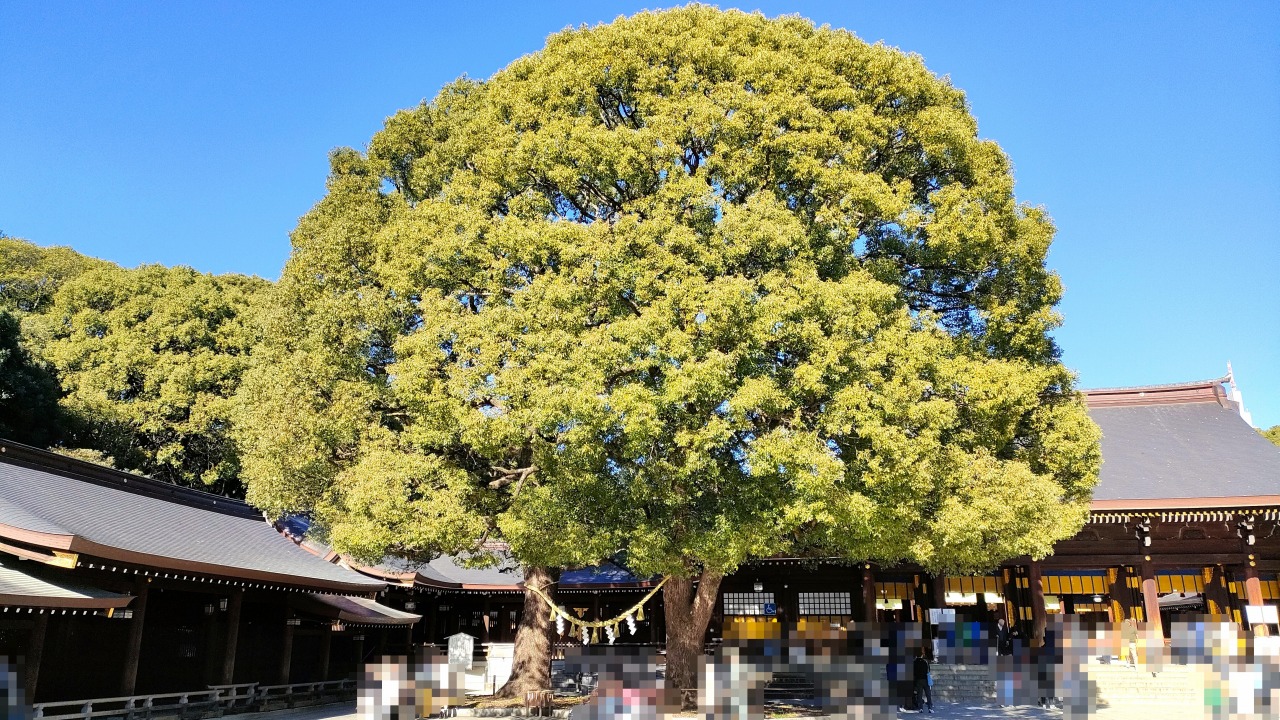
1191,385
76,469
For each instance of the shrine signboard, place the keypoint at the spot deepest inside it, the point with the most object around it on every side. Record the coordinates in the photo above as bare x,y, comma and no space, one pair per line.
461,647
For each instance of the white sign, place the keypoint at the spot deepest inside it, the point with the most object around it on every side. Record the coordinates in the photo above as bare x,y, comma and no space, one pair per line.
1262,614
937,616
461,647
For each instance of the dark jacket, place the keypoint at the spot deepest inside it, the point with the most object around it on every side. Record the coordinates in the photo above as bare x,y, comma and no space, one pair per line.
1004,640
920,669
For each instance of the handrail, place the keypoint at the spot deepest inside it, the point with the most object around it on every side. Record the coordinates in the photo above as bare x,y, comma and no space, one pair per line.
264,690
131,704
216,695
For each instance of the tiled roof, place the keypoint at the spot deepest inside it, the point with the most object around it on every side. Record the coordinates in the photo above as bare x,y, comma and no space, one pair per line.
57,503
606,574
450,573
1155,449
355,610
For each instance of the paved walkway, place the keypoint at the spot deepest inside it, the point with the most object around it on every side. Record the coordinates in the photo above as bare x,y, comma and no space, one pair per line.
347,711
946,711
335,711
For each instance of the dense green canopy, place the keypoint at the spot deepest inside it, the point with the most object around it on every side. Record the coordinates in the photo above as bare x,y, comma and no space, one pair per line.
1272,434
29,410
148,359
696,284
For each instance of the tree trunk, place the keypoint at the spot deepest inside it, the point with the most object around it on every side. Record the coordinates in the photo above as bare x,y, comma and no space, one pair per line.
688,610
531,664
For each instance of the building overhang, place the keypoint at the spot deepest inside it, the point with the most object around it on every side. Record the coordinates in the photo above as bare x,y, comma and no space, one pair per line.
1188,503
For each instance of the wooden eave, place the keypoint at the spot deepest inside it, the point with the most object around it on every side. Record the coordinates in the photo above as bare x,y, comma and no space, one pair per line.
81,546
1199,503
40,601
1176,393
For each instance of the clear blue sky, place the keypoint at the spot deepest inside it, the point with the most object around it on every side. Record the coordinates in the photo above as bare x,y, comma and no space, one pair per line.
196,133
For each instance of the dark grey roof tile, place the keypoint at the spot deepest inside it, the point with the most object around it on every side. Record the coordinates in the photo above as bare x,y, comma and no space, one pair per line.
1182,450
118,518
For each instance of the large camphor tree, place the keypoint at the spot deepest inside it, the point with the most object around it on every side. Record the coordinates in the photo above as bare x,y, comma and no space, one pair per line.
699,286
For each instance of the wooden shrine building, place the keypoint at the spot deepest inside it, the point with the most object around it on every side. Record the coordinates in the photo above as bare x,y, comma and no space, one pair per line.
487,603
112,584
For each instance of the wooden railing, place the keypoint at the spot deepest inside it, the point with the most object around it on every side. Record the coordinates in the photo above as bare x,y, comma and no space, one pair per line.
196,703
289,695
184,704
242,695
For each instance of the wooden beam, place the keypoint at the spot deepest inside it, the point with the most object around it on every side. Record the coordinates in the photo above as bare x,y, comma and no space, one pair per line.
431,619
133,646
484,624
326,645
1215,590
35,653
1038,616
1151,597
56,558
212,643
1098,562
286,651
1253,593
868,593
1118,593
938,591
234,605
1010,592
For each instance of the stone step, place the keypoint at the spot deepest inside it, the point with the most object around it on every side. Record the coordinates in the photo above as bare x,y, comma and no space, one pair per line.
1130,688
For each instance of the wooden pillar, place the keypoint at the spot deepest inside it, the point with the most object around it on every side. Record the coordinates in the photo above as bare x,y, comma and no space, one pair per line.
429,636
1126,592
1151,597
916,606
326,644
232,637
35,653
286,651
1038,617
359,643
1121,606
868,593
484,621
1253,592
1012,608
133,646
1215,591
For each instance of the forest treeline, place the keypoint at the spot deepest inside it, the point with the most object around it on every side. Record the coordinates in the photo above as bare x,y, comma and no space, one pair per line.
133,368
